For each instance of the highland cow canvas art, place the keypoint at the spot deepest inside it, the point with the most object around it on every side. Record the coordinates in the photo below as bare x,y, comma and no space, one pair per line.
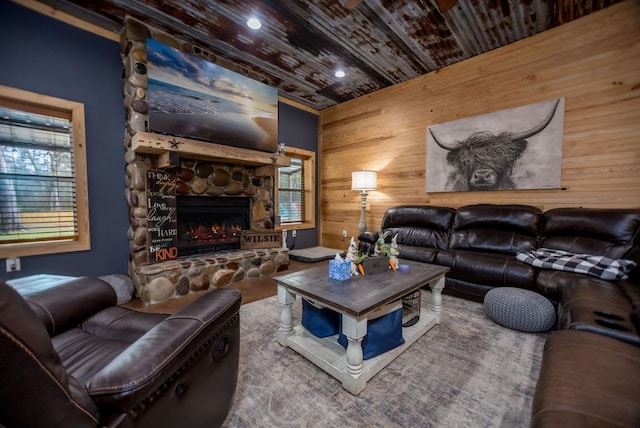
518,148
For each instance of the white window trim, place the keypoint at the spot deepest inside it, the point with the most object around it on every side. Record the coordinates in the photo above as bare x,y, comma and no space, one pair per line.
74,111
309,169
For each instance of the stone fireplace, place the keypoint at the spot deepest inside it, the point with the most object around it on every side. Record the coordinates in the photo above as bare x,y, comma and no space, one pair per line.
218,193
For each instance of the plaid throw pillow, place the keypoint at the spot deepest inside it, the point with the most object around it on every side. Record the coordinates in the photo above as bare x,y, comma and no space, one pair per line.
600,266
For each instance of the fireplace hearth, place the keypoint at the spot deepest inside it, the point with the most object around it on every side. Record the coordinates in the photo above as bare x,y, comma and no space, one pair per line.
211,224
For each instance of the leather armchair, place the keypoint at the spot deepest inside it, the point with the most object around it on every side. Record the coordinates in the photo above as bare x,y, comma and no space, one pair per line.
69,356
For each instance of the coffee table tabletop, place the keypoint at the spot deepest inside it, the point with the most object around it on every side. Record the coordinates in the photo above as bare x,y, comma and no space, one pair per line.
355,299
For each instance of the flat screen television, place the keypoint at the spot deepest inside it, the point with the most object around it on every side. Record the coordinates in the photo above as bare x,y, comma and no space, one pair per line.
194,98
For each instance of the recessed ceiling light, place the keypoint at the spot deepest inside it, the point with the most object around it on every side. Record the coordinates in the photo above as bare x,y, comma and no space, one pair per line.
340,73
254,23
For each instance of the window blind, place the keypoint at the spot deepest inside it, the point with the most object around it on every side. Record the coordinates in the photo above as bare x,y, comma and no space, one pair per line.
291,192
37,178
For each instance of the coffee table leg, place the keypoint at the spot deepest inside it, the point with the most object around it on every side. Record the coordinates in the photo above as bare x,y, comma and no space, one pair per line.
436,298
286,299
354,330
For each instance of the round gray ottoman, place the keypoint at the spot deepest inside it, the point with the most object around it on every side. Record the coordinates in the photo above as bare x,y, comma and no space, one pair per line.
519,309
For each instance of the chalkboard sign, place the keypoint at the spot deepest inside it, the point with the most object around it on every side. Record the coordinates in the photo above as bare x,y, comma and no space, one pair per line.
162,224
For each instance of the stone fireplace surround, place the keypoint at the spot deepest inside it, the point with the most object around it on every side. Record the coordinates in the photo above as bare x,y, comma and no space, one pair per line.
158,282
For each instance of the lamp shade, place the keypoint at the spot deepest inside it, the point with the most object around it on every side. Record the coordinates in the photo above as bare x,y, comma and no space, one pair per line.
364,180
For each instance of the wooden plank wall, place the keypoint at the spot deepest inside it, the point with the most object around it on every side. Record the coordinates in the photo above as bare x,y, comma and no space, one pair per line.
594,62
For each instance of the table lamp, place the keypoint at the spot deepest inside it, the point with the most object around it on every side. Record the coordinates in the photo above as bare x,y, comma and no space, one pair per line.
363,180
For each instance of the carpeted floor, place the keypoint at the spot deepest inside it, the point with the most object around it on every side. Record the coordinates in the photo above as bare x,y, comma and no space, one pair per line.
466,372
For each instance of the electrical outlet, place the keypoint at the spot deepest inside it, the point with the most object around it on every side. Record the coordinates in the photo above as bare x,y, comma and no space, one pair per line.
13,264
344,233
293,233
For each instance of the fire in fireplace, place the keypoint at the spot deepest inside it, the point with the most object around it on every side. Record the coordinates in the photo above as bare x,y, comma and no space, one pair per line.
211,224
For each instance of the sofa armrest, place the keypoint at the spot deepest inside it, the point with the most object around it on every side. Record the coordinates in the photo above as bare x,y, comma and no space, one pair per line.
67,305
182,352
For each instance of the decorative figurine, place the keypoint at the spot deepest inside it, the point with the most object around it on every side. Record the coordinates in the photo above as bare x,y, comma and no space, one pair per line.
394,252
352,256
380,247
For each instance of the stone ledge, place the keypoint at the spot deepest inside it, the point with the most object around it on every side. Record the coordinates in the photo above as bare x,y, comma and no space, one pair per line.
163,281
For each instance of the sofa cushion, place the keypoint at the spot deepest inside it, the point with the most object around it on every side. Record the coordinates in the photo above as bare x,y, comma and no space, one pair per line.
605,232
419,226
494,270
598,306
504,229
587,380
33,378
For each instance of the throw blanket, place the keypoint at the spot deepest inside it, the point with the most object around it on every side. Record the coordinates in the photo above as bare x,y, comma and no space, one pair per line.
600,266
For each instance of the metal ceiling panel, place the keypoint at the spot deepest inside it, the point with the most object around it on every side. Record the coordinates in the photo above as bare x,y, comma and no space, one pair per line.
379,43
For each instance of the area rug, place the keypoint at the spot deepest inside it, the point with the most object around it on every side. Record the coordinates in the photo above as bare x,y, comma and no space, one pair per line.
466,372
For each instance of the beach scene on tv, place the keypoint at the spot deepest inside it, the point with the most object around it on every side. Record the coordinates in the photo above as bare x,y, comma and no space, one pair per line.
194,98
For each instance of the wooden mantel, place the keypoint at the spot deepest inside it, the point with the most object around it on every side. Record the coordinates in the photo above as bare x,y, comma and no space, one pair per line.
165,145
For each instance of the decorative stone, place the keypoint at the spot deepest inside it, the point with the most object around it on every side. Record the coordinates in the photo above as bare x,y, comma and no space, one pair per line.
238,276
160,289
135,30
140,106
199,283
213,268
250,190
145,297
182,287
137,171
137,79
139,55
140,236
234,188
182,188
140,68
203,170
267,268
185,174
198,185
167,40
280,258
141,93
130,156
232,265
215,190
186,163
237,175
222,277
258,212
220,177
140,212
253,273
151,269
140,257
268,183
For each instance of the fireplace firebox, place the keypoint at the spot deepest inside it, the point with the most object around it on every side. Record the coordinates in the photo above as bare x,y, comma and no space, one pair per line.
211,224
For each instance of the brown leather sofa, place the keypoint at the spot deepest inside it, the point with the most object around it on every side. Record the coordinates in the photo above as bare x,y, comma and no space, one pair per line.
70,357
596,354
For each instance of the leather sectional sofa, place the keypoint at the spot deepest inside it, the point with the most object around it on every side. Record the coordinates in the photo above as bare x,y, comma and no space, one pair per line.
71,357
590,373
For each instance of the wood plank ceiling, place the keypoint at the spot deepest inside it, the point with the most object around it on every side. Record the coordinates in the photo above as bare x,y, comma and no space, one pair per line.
302,43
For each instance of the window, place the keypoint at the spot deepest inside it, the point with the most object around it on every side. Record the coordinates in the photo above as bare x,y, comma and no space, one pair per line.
296,189
43,191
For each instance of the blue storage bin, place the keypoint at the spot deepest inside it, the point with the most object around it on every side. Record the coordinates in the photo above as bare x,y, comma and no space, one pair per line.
321,322
383,334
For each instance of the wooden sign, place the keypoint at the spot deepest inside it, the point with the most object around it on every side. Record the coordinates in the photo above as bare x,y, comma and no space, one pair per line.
267,238
162,219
